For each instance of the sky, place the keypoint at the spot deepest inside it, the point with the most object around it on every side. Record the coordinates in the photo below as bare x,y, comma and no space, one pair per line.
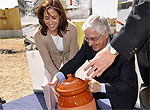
8,3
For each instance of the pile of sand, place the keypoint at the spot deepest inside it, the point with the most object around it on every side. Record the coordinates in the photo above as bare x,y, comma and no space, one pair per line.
15,79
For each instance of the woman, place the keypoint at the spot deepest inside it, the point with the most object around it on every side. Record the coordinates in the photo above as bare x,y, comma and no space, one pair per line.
56,40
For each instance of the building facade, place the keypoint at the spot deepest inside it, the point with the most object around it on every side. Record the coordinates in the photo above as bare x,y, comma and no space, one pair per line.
10,24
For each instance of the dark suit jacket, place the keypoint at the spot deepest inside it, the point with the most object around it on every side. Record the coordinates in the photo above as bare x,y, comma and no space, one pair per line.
134,37
120,78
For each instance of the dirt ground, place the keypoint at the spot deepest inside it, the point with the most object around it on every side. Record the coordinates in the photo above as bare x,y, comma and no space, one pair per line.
15,79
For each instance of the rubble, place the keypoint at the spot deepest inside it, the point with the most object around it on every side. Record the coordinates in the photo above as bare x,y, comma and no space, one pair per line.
28,28
10,51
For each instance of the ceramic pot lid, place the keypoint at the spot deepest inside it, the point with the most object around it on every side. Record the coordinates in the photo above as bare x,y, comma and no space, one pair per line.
72,86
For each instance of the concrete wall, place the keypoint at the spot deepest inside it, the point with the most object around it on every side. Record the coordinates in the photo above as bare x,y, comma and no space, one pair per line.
11,33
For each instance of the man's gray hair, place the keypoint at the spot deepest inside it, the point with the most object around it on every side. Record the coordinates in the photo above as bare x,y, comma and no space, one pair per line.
96,22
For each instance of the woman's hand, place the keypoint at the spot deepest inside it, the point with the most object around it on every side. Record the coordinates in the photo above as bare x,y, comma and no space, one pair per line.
94,86
54,84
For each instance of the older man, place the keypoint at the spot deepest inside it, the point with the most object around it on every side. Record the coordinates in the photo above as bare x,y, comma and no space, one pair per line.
133,38
118,84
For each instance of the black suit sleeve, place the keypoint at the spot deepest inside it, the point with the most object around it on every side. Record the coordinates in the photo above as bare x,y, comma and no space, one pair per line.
126,79
120,81
132,36
122,90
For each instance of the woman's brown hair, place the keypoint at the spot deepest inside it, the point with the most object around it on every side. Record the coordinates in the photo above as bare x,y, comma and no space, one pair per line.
56,5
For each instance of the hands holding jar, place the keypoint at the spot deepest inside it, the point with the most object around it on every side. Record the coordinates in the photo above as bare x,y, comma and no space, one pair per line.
94,86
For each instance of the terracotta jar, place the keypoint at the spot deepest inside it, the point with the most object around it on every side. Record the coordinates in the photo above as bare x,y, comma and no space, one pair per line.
74,95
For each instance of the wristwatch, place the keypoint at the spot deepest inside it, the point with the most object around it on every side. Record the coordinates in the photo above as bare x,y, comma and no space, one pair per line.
112,50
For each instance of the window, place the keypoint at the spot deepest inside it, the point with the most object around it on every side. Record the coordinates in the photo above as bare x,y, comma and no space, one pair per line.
4,22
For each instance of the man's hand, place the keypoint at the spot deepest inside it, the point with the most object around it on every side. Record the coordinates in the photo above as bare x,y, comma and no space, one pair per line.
100,63
53,84
94,86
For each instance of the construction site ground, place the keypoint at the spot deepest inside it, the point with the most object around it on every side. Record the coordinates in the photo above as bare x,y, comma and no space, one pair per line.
15,79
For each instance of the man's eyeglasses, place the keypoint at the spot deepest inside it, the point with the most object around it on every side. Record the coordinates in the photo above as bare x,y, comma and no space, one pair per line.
94,39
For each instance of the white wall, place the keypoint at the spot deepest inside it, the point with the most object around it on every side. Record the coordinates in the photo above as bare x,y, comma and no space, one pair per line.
106,8
36,67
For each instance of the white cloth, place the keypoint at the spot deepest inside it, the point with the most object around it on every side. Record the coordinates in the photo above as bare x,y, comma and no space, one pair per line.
48,93
58,42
